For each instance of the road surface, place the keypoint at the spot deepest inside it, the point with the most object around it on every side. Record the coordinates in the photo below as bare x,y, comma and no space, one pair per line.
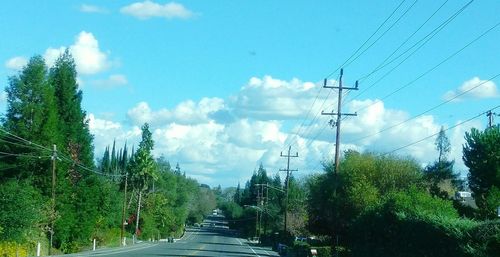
203,242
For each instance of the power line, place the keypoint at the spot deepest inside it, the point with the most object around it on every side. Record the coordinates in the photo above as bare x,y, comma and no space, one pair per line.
432,68
387,30
456,125
318,114
60,156
422,43
349,59
297,133
428,110
367,40
384,63
28,155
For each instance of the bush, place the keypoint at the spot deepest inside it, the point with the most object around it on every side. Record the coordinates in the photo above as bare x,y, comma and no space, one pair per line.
415,224
299,249
324,251
10,249
484,240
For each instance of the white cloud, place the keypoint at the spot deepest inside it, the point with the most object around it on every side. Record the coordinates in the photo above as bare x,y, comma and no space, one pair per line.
3,97
115,80
106,131
149,9
219,152
89,59
16,63
92,9
474,88
273,99
187,112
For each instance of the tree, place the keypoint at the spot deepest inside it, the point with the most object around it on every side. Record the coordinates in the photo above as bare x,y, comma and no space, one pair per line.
442,145
73,125
363,180
32,115
237,194
143,170
481,155
440,176
20,210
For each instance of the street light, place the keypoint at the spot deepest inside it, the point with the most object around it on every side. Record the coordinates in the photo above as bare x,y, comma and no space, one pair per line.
257,224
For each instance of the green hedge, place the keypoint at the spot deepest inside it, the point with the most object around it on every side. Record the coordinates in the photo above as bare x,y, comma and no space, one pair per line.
303,249
409,226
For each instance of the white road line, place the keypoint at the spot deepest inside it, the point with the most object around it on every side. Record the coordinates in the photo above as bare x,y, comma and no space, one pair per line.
239,241
111,252
253,250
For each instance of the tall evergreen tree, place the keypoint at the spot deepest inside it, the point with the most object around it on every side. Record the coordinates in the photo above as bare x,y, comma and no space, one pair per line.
143,168
31,114
73,124
237,194
442,145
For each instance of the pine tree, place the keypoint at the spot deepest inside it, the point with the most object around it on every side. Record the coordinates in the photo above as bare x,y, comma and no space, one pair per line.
73,124
31,114
442,145
237,194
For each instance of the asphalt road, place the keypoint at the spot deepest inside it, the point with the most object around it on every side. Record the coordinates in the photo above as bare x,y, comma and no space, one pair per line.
202,242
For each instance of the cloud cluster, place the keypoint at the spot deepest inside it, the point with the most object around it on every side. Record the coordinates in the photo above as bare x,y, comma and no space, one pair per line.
87,8
89,58
221,150
112,81
3,97
149,9
16,63
187,112
474,88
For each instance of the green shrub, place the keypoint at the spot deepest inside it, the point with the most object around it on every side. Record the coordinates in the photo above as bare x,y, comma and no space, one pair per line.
324,251
414,224
299,249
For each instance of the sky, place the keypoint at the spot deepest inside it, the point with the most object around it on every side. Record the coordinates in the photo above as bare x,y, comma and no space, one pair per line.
229,85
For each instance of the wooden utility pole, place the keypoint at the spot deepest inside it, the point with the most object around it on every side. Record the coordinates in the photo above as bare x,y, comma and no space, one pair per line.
52,219
339,115
122,242
287,183
490,115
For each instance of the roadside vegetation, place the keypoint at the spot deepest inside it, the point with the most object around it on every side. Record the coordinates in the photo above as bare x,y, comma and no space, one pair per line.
383,205
88,197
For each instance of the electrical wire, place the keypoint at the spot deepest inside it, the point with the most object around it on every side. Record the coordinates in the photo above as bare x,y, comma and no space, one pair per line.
60,155
432,68
425,138
428,110
387,30
367,40
422,43
383,63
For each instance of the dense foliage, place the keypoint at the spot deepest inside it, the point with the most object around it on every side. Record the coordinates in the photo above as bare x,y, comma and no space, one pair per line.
44,111
482,157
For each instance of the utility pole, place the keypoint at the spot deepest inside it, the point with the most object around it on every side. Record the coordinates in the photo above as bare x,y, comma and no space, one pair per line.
490,115
52,219
287,183
257,210
122,242
339,115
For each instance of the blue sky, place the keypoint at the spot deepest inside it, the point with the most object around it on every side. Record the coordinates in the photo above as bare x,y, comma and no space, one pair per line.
227,85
